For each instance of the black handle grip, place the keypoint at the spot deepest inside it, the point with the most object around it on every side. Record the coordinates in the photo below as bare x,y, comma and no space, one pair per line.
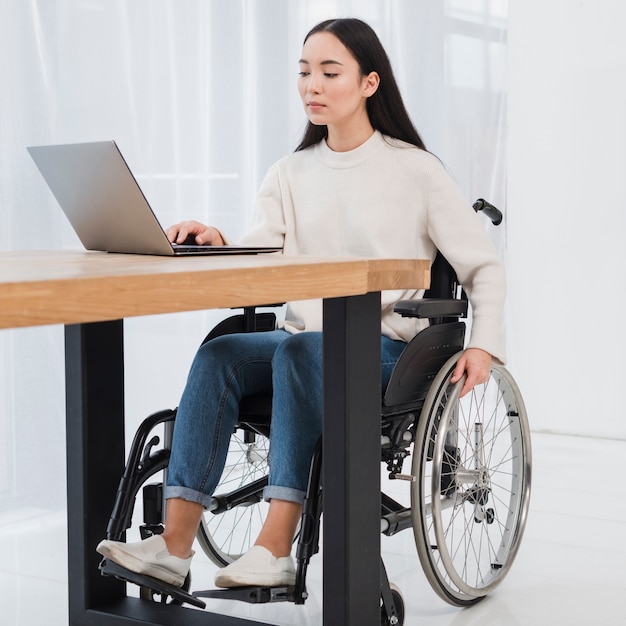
495,215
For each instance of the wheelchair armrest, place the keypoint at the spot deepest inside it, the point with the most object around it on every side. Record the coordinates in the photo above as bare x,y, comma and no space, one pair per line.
431,308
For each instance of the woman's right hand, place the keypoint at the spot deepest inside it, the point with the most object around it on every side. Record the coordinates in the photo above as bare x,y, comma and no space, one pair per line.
202,234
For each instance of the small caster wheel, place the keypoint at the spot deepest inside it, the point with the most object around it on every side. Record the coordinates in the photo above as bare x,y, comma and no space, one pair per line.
398,602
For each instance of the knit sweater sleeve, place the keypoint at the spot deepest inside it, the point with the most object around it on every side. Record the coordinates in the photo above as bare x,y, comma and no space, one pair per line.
268,225
459,234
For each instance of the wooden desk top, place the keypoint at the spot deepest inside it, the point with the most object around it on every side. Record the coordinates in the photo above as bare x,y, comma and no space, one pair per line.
69,287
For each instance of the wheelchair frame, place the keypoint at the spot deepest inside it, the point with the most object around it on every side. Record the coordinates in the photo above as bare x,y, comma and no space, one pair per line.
453,472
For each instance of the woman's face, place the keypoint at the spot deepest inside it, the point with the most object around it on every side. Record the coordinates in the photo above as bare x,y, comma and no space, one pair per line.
331,86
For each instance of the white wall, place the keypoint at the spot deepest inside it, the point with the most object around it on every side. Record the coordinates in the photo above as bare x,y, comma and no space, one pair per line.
566,214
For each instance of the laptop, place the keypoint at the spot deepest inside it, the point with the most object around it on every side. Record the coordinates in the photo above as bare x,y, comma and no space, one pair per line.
104,204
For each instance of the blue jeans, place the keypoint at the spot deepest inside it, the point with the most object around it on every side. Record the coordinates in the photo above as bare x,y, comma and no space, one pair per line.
286,366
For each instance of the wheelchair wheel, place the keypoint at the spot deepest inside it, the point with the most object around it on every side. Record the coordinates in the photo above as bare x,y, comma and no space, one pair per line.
229,530
471,492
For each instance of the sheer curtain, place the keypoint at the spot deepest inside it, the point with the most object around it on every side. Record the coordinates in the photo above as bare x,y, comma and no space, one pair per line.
200,96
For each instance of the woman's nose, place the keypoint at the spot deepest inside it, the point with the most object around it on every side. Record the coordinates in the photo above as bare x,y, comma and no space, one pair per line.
313,86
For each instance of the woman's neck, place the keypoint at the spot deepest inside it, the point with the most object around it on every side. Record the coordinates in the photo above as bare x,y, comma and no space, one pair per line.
344,139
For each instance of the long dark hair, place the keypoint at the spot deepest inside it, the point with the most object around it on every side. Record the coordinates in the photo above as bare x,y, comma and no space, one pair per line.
385,108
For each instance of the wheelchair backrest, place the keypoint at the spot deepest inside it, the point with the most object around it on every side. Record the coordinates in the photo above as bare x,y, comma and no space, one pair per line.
443,281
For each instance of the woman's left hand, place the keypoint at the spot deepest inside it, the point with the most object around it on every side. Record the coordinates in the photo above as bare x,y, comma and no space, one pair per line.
476,363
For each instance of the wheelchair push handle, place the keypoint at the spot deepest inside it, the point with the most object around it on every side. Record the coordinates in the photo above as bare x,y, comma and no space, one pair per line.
494,214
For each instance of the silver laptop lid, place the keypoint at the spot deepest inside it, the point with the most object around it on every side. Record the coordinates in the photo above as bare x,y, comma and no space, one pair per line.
101,198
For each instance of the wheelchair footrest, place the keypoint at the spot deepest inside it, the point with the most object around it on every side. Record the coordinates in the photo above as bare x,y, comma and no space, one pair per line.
108,568
253,595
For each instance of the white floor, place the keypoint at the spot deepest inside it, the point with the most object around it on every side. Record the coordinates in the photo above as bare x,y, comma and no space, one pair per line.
571,569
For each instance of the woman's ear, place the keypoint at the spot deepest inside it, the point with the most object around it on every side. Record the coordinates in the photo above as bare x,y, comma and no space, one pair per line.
370,84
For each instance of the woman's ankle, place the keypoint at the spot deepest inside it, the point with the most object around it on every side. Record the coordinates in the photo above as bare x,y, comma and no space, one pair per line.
278,550
181,525
279,527
176,547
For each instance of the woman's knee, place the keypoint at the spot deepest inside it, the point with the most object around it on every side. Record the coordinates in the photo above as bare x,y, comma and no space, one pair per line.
221,349
300,347
297,365
237,363
229,351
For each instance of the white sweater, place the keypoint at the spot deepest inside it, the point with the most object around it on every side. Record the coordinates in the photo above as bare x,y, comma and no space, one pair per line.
384,199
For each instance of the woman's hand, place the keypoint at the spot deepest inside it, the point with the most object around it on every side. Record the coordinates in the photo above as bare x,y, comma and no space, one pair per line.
203,235
476,363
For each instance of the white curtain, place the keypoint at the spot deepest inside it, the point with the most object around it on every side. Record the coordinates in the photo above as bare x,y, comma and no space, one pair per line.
200,96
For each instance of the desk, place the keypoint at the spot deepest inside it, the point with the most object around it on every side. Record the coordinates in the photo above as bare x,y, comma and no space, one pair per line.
91,293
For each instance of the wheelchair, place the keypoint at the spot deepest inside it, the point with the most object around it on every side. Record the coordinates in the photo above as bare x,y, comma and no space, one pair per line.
465,462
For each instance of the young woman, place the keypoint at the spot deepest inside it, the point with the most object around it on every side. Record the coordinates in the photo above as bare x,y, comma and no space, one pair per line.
360,183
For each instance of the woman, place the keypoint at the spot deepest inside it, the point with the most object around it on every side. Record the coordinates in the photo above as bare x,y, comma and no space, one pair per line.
360,183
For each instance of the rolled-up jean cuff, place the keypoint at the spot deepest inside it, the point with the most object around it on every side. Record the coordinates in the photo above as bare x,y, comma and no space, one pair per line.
283,493
191,495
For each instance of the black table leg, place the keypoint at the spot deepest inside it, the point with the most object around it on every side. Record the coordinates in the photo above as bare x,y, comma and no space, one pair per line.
94,388
351,460
94,367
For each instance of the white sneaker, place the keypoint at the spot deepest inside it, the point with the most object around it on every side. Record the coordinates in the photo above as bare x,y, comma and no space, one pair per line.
258,566
149,557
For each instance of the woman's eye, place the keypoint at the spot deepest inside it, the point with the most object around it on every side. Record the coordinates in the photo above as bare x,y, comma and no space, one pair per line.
304,74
